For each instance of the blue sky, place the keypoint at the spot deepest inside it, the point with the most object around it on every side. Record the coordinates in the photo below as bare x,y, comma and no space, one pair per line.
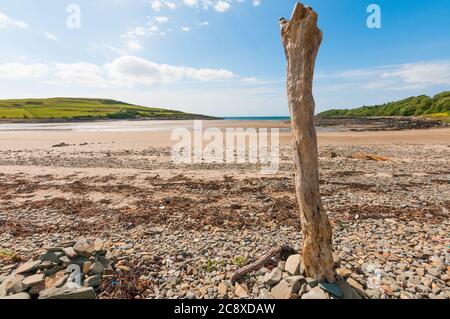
219,57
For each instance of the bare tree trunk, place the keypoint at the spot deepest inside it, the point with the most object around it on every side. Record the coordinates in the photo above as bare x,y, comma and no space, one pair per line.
302,39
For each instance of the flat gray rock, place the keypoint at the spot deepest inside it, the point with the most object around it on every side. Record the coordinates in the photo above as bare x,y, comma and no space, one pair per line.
22,295
284,290
274,277
61,293
315,293
28,267
292,266
32,280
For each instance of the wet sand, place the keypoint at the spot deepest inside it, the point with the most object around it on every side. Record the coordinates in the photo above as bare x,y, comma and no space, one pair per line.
116,135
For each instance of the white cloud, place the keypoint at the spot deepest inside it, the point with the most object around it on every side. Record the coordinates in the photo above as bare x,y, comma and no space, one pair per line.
256,3
124,71
222,6
22,70
170,5
190,3
157,5
185,29
134,70
135,32
51,36
218,5
6,22
418,75
162,19
134,45
81,73
425,74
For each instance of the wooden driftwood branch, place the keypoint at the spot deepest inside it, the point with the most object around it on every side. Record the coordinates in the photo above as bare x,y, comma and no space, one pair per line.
301,39
261,261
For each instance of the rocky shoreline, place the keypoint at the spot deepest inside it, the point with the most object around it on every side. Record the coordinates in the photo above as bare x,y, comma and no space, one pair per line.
183,233
375,124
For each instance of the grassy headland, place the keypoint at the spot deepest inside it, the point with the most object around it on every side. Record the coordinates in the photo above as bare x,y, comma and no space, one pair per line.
72,109
435,107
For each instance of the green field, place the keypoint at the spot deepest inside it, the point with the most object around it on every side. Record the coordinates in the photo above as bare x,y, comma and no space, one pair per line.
436,107
83,109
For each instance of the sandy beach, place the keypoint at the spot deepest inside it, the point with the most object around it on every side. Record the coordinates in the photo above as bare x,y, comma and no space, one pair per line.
143,134
182,230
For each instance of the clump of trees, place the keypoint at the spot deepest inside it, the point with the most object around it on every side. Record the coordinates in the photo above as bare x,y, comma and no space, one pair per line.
412,106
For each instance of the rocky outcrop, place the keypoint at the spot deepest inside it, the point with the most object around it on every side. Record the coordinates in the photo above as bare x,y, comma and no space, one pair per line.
68,271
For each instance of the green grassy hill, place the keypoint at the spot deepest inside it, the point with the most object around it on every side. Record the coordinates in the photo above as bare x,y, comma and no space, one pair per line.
83,109
437,106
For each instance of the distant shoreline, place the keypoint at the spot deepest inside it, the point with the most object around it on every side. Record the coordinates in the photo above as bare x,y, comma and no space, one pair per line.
356,124
94,120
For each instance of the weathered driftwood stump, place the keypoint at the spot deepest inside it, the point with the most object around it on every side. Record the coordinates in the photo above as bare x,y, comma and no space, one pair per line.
302,39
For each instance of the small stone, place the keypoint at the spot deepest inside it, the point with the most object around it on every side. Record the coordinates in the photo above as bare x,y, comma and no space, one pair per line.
273,278
265,294
285,289
190,295
315,293
32,280
86,267
12,284
434,272
8,267
347,291
282,265
85,247
357,286
50,256
240,291
36,289
222,289
70,252
53,280
98,244
96,268
92,281
420,271
344,272
293,265
406,295
291,280
413,282
123,268
372,294
333,289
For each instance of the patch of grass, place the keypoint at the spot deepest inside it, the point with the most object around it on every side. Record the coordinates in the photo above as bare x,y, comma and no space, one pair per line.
239,261
80,108
9,255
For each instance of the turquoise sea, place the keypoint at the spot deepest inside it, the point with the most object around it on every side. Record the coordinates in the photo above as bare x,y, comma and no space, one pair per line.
256,118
